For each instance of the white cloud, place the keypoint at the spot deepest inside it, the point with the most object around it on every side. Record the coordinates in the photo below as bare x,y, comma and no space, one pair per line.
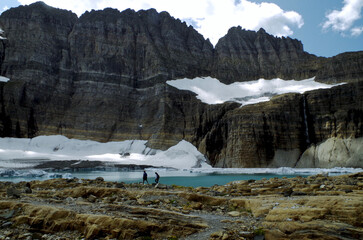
344,19
356,31
250,16
4,9
212,18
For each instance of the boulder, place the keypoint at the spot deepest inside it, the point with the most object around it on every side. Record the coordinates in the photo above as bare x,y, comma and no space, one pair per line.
13,192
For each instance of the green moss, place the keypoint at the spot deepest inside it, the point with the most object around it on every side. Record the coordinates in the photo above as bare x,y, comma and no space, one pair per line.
259,231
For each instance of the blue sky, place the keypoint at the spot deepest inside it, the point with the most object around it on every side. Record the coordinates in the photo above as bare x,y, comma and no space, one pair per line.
325,27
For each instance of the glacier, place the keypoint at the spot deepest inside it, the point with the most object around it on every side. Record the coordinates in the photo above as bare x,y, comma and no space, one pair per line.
211,91
27,153
19,155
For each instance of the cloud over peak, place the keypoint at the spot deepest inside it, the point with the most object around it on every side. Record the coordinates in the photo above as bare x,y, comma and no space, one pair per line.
212,18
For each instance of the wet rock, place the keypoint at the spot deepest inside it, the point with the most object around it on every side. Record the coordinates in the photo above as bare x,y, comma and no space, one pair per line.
6,224
99,179
217,234
120,185
7,213
196,206
26,236
287,193
220,235
141,201
298,194
92,198
27,188
234,214
161,186
13,192
259,237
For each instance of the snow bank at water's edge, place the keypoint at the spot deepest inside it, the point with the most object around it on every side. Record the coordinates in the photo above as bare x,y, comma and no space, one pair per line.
17,154
27,153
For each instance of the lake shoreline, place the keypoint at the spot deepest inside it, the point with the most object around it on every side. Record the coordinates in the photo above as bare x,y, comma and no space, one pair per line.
327,207
77,165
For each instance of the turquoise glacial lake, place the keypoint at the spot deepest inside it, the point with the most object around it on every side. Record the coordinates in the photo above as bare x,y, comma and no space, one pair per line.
182,178
187,177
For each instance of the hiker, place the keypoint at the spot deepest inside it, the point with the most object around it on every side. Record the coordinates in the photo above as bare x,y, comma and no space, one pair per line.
157,177
144,178
28,188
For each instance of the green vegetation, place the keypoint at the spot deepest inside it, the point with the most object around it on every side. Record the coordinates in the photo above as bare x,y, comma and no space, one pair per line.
259,231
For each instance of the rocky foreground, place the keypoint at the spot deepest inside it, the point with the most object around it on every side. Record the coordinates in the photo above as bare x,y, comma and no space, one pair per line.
316,207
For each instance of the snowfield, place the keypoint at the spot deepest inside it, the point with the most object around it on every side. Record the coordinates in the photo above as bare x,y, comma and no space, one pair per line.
27,153
4,79
212,91
16,154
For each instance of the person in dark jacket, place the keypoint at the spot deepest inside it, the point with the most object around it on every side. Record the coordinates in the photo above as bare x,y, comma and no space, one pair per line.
157,177
144,178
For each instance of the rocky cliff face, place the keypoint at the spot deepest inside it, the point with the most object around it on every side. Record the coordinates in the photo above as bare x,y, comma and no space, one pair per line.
34,48
345,67
136,49
102,76
246,55
277,132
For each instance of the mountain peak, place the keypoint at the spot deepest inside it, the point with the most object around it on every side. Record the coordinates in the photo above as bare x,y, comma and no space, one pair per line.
39,4
42,9
262,31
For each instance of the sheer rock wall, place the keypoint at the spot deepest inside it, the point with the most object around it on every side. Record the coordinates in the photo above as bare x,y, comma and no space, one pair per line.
102,77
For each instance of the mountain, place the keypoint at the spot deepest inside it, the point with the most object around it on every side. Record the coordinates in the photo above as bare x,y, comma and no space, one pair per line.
103,76
325,126
244,55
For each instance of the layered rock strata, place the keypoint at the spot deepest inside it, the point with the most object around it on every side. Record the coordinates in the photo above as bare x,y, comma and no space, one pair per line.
102,77
345,67
277,132
245,55
313,207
